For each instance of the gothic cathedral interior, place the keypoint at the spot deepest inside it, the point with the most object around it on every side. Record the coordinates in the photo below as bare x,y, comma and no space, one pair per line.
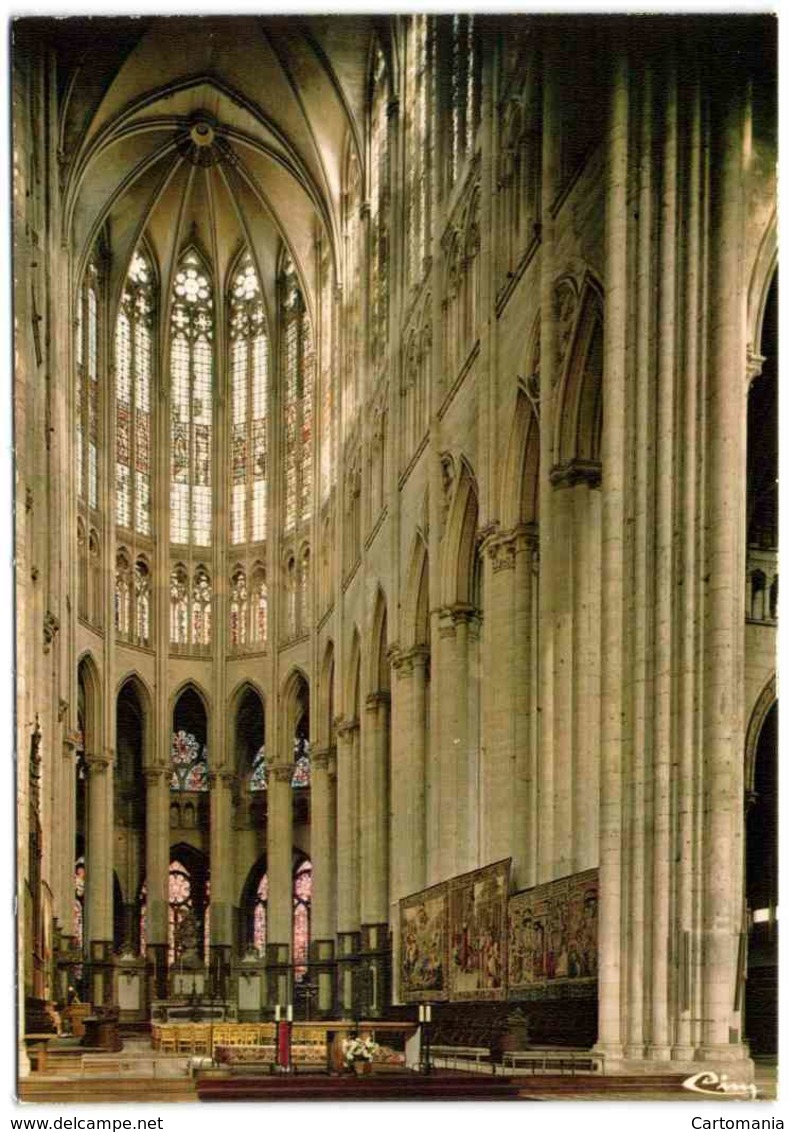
395,538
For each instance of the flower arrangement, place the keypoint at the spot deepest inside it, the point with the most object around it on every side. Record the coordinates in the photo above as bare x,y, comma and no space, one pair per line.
358,1049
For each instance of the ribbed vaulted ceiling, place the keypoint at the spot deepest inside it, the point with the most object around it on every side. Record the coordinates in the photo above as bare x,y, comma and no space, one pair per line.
222,132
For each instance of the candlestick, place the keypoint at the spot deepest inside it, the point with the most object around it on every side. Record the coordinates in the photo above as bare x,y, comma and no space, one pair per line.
289,1012
278,1012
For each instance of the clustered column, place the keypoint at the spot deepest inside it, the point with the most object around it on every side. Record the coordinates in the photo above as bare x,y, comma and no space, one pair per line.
324,857
220,880
157,862
99,876
280,879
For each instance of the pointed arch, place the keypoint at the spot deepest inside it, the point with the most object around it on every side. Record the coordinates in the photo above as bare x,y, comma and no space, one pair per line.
90,683
353,679
458,571
294,699
246,722
135,683
190,684
762,274
379,664
325,705
764,702
415,603
578,428
519,494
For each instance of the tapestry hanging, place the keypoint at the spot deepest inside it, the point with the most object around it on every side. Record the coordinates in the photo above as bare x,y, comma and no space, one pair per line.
553,931
478,934
423,945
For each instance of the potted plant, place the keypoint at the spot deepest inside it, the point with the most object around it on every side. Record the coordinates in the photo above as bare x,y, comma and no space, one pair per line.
358,1054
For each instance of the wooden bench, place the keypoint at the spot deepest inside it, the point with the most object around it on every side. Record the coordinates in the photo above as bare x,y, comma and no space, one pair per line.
446,1054
37,1050
554,1060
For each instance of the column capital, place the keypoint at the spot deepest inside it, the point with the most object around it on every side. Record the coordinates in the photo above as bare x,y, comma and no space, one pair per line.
224,778
404,661
347,727
375,700
575,472
320,758
457,612
501,549
97,763
153,775
753,364
526,537
282,772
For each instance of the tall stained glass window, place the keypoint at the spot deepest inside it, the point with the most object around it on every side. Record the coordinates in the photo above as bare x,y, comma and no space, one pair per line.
259,589
418,162
133,399
87,400
188,929
298,364
202,607
192,372
142,590
179,605
250,381
238,609
302,901
261,915
122,595
464,103
302,897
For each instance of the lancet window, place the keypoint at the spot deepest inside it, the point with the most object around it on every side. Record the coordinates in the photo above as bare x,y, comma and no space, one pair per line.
302,897
192,371
238,610
419,93
134,327
250,391
142,589
463,93
87,387
298,364
123,594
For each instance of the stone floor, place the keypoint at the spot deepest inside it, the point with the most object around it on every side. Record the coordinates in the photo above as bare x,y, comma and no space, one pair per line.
139,1072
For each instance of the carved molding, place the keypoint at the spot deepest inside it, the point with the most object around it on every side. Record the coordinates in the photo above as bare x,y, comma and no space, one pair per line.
97,763
375,700
51,626
282,772
575,472
501,550
753,364
346,727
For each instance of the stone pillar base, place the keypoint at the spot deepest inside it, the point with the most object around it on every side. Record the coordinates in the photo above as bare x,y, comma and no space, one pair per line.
157,956
374,970
220,970
322,978
739,1072
348,948
279,974
101,973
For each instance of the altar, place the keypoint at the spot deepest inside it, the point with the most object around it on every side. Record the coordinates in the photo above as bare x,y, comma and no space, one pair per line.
189,1010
